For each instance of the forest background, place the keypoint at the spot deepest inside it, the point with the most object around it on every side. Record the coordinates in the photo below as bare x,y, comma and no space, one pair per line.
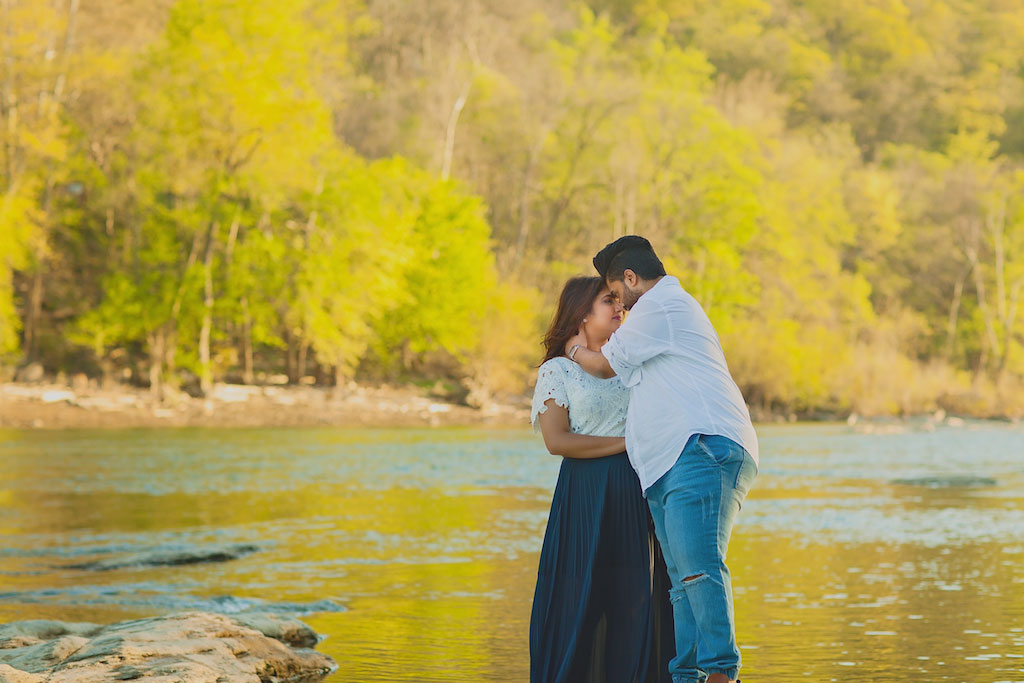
394,191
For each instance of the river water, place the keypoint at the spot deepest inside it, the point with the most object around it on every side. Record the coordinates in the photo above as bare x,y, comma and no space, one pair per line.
885,554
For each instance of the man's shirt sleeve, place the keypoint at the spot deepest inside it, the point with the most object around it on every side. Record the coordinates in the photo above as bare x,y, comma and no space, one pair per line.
645,334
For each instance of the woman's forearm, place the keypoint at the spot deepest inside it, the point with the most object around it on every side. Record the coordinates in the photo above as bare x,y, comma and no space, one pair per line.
594,363
571,445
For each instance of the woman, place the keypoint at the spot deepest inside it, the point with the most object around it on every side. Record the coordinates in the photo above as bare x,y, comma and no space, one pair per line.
601,612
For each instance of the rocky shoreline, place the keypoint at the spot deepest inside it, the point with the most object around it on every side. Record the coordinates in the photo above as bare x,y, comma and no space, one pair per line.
194,647
61,405
86,405
258,641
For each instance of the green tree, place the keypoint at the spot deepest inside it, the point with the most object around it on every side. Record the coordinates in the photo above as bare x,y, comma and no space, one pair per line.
447,280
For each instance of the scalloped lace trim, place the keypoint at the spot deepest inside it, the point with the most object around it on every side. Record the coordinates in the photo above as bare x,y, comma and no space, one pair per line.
543,408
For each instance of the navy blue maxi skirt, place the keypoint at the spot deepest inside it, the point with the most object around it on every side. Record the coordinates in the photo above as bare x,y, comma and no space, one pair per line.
601,611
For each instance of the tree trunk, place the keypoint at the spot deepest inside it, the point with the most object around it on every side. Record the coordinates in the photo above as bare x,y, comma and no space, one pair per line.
156,360
630,211
170,339
449,133
205,367
300,366
524,215
69,39
618,209
35,307
9,103
248,376
972,233
1009,325
954,315
340,382
1007,294
171,356
407,356
231,324
229,250
291,359
35,303
991,347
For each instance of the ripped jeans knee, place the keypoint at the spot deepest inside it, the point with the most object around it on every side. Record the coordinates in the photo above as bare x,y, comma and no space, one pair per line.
677,593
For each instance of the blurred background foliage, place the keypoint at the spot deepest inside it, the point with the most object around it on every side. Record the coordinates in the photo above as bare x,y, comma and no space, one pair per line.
382,190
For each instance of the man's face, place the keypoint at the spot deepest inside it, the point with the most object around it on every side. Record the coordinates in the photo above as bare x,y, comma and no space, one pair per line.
626,295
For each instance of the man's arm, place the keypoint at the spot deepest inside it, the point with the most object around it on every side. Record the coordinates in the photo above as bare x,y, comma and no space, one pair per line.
644,335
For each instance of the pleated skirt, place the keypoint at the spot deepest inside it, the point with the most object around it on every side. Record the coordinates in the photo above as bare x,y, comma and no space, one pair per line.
601,610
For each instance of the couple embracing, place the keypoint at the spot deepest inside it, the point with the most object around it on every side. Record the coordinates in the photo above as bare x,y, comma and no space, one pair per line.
632,590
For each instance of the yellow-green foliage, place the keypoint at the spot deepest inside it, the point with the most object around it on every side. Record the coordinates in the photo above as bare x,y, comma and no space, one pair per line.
365,188
15,231
508,349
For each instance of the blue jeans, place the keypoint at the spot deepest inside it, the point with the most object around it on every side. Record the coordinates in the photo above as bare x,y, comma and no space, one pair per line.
694,506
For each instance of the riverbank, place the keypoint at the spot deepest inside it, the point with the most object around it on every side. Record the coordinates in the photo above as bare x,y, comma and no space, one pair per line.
87,405
60,406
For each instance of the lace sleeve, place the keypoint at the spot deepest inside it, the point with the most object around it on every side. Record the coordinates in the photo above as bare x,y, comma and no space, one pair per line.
550,385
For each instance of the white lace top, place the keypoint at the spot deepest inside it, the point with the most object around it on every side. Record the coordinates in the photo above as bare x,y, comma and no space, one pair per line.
597,407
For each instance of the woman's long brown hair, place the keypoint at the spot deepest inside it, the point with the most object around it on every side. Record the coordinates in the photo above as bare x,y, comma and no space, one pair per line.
574,304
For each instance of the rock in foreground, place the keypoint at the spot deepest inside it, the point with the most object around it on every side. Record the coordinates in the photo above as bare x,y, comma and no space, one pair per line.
172,557
195,647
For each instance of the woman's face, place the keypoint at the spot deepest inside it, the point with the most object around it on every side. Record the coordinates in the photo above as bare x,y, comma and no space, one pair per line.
605,316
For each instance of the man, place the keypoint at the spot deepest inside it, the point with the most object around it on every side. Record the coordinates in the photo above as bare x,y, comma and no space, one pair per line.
690,439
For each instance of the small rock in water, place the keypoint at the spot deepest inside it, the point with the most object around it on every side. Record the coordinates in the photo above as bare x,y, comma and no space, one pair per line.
190,647
952,481
289,631
171,558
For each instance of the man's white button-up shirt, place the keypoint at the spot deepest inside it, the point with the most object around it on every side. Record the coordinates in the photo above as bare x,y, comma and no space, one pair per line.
669,356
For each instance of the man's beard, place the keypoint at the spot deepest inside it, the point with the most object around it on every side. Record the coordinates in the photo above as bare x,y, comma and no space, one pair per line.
630,296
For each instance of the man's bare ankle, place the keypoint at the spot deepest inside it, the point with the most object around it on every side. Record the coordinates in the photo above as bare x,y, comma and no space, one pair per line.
720,678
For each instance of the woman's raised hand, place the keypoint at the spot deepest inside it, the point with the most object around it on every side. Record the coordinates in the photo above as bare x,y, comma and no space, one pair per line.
578,338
